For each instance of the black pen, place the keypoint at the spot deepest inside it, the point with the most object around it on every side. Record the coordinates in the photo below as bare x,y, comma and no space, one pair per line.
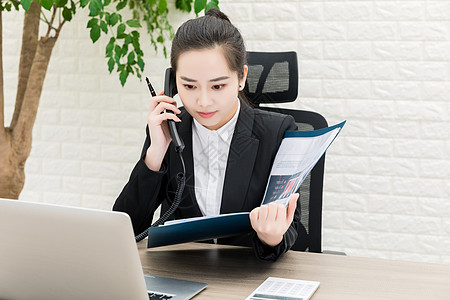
150,87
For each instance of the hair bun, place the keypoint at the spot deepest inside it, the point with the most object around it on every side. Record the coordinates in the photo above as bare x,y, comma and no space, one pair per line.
214,12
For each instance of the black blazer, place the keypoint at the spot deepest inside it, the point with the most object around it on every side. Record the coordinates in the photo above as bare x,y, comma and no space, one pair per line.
256,139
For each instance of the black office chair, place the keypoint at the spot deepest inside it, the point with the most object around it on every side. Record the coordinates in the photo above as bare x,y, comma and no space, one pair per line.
273,78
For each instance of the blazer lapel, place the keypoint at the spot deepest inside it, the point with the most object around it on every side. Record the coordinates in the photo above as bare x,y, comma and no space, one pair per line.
241,158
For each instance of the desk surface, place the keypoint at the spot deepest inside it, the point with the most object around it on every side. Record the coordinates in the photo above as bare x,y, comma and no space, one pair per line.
234,272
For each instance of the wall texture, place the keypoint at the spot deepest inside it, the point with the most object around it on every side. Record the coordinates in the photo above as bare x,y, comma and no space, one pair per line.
384,66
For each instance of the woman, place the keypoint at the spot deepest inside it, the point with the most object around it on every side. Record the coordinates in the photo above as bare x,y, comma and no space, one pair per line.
230,147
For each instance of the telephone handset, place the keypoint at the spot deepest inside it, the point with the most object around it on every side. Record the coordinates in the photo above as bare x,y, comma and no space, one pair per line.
170,89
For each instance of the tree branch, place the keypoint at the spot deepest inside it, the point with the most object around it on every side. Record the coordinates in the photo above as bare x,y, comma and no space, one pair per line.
44,18
2,95
58,30
22,132
50,25
30,37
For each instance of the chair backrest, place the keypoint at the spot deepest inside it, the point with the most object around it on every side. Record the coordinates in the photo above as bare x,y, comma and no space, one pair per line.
273,78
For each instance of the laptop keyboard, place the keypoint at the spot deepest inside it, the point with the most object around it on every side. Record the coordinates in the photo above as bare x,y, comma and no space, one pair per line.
155,296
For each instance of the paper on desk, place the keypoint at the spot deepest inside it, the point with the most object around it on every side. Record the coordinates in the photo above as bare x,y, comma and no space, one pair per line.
274,288
298,154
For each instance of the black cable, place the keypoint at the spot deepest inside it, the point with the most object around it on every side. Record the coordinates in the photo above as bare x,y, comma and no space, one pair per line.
181,182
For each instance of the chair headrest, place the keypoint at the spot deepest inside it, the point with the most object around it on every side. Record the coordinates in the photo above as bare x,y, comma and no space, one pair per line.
272,77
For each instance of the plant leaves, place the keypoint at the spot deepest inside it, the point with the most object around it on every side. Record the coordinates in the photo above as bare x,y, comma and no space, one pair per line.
138,74
130,58
26,4
130,69
92,22
111,65
47,4
133,23
120,29
123,77
95,33
95,6
162,6
140,63
124,49
113,19
16,5
137,46
72,7
127,39
118,53
83,3
109,47
199,5
212,4
67,14
60,3
103,26
135,34
184,5
121,5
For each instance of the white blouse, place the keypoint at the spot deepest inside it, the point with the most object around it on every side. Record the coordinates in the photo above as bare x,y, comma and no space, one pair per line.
210,151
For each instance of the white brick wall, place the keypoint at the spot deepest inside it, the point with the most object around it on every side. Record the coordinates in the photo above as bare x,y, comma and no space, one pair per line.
384,66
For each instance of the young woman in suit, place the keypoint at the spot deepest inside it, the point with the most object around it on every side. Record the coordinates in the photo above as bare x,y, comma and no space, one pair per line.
230,147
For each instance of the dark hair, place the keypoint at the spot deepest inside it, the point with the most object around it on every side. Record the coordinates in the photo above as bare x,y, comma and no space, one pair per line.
207,32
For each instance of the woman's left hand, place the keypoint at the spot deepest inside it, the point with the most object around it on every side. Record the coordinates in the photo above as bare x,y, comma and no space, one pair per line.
271,221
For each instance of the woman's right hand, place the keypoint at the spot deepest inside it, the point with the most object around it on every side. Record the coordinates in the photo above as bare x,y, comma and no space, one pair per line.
158,128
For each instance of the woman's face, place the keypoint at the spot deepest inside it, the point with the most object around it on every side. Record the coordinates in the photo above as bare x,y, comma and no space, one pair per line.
207,87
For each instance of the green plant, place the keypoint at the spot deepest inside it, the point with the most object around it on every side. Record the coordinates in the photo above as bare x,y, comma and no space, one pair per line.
123,53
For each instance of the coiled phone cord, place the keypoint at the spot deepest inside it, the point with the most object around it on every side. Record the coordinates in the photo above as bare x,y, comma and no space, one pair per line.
181,182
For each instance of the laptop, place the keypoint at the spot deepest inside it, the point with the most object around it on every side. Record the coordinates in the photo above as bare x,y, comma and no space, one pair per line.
56,252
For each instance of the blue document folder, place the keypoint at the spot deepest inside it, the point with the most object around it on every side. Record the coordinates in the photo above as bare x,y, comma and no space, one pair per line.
198,229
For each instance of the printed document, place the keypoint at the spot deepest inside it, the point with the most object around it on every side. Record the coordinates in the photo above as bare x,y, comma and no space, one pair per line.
298,154
274,288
